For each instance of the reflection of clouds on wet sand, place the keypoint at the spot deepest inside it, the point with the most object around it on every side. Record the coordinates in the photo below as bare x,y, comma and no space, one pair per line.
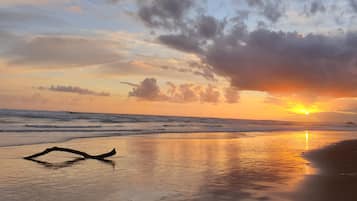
231,168
214,166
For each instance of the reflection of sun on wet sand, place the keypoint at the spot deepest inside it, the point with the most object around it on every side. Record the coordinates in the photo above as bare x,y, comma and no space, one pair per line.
168,167
338,173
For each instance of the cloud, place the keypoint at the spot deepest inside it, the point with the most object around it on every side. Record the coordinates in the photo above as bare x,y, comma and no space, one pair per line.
130,84
181,42
347,105
336,117
279,62
208,26
113,1
231,94
315,7
73,89
353,4
164,13
148,89
13,17
195,68
109,54
193,38
8,40
210,94
59,51
273,10
30,2
183,93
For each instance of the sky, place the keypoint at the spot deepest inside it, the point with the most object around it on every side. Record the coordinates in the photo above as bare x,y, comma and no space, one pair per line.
253,59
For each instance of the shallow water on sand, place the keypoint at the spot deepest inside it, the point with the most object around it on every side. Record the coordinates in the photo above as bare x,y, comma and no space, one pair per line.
201,166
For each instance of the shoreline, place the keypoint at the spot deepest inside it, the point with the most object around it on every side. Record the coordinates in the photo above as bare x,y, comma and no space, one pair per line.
337,173
140,155
105,135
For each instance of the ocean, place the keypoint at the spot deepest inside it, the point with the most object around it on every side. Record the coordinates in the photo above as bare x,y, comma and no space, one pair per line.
164,158
20,127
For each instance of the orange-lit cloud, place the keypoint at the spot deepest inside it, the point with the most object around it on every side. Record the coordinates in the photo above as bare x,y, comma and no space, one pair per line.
148,89
269,61
260,59
73,89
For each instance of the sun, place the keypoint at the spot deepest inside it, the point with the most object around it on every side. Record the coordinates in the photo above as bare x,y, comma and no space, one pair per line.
303,109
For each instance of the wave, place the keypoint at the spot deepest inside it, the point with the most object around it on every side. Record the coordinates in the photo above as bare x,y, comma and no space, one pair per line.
66,130
60,126
124,118
46,121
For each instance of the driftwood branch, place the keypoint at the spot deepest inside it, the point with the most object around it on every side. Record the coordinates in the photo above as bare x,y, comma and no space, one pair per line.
68,163
64,164
73,151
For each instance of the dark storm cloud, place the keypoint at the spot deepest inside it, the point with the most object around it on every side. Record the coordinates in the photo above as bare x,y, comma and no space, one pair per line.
181,42
258,3
194,38
353,4
270,61
317,6
288,62
273,10
185,34
73,89
208,26
280,62
164,13
314,7
172,15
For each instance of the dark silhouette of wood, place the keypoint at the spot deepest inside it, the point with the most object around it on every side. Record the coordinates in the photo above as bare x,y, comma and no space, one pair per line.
73,151
64,164
68,163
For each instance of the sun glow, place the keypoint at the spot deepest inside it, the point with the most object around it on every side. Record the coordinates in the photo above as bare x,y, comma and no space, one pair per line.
306,110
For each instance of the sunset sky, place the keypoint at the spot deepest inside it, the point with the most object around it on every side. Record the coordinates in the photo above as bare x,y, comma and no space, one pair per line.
255,59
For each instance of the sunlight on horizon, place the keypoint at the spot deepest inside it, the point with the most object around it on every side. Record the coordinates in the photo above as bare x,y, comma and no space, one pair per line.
303,109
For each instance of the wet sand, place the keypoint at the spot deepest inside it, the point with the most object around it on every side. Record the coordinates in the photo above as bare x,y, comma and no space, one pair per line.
168,167
337,174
